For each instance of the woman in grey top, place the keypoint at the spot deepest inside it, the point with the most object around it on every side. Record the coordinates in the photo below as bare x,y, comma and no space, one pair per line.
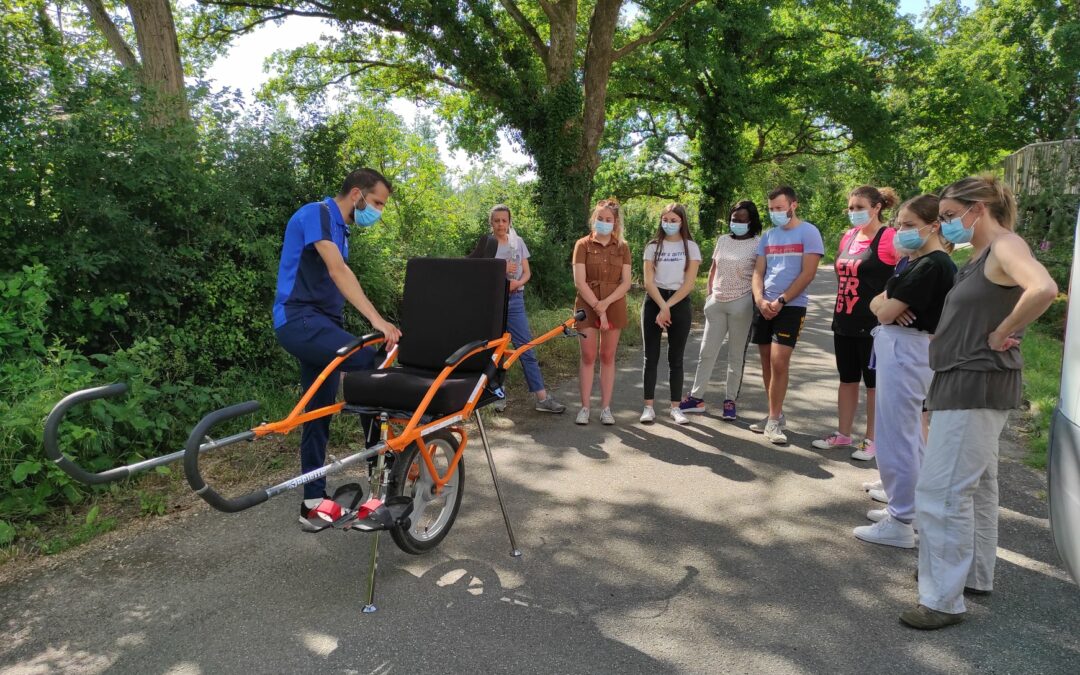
975,355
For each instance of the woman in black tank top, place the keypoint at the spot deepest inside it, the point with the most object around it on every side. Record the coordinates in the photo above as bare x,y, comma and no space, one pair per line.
976,360
863,264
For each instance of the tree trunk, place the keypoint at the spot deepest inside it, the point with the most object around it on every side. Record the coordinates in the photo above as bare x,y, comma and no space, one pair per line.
159,51
112,34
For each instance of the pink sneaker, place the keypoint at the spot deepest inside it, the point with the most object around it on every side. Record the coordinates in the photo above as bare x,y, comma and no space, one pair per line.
866,451
833,441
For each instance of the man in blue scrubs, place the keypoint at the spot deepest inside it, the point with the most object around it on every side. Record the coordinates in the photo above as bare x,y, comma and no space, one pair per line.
314,281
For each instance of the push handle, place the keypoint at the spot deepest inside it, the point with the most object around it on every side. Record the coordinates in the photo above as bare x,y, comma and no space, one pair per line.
579,315
52,429
194,447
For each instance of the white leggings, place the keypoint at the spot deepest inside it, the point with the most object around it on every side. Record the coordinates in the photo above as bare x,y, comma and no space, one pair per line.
901,358
724,319
956,501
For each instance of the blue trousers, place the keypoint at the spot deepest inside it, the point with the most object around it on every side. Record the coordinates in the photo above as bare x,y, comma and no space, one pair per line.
518,325
313,339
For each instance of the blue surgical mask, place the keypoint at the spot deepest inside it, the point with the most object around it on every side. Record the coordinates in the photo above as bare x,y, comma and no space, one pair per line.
603,228
779,218
670,229
910,239
954,229
739,229
367,216
858,218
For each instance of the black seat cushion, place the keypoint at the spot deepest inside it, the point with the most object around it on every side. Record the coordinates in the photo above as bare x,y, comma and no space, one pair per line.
447,303
403,388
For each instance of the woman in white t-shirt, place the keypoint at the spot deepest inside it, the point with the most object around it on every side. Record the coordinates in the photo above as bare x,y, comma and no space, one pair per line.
671,264
729,309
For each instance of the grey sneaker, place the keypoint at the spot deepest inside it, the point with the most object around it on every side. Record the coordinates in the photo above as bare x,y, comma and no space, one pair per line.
500,405
759,427
582,416
924,618
550,405
606,417
774,432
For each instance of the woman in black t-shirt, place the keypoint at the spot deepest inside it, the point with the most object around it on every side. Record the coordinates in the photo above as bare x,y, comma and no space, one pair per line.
909,310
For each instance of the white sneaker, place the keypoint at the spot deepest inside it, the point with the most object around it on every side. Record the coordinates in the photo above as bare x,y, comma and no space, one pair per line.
888,532
759,427
872,485
878,496
648,415
877,515
606,417
774,432
679,417
582,416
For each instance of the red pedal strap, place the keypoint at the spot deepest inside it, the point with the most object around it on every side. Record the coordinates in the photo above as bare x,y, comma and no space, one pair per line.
368,507
328,510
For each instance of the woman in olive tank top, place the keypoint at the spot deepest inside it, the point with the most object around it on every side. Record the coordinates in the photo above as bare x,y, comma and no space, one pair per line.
975,355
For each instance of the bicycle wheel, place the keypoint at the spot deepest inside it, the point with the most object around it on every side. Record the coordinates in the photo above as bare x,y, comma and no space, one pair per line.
433,514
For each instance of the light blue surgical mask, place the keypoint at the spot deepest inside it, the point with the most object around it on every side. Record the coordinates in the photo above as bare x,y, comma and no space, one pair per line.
670,229
779,218
910,239
954,229
858,218
603,228
739,229
367,216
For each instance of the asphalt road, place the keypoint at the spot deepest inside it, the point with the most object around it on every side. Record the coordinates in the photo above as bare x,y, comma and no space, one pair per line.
646,549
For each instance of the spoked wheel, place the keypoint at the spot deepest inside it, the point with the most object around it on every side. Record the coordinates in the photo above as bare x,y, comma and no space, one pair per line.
433,514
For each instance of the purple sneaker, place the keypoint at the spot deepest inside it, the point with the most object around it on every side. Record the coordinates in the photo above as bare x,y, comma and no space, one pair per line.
692,405
729,411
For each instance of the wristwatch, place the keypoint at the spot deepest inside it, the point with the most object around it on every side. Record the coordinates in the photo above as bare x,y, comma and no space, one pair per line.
781,300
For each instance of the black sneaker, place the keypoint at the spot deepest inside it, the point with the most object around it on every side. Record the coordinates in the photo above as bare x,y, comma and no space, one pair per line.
310,521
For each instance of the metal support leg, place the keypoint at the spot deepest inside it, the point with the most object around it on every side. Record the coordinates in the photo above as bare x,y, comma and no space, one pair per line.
498,492
379,482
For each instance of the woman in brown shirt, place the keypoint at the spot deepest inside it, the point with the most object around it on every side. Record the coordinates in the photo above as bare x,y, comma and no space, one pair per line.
602,279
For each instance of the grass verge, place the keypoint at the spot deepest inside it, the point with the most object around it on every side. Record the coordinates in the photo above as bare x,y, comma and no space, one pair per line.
1042,382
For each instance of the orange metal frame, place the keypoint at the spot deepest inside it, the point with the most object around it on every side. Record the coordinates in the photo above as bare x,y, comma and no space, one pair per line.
412,431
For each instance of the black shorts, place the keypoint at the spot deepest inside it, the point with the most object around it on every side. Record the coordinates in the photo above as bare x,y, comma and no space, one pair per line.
783,329
853,359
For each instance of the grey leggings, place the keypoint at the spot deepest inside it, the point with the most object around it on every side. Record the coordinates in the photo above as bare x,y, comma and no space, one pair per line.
678,333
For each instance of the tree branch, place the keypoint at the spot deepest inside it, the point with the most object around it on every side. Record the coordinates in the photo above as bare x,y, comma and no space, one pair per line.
653,36
116,41
526,26
680,160
368,64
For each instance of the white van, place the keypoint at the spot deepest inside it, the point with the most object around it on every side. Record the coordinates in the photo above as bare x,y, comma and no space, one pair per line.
1064,461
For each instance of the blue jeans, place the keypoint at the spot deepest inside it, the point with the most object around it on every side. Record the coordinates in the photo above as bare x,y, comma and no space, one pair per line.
518,325
313,339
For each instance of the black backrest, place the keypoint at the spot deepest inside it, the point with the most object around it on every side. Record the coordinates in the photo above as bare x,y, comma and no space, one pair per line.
487,246
448,303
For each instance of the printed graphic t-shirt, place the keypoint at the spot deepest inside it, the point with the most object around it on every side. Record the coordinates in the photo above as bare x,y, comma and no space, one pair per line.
784,250
670,270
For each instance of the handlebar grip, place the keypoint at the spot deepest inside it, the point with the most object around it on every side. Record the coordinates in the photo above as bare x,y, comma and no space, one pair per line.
579,315
192,450
52,428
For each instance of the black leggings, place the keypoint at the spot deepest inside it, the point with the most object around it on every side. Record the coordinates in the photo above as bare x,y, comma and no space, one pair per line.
678,332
